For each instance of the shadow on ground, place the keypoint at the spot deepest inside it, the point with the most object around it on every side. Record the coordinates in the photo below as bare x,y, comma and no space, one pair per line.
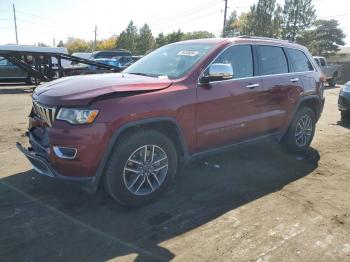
43,220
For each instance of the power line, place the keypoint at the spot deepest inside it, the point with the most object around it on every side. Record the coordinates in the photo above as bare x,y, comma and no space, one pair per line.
185,13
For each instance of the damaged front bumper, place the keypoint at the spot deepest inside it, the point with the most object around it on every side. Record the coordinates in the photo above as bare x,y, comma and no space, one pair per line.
39,163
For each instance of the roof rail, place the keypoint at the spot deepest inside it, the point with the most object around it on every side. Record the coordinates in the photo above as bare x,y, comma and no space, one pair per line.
261,37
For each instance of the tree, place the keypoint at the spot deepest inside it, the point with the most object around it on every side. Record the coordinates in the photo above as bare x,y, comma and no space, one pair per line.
197,35
145,40
161,40
128,38
232,27
107,44
42,44
60,44
263,19
175,37
78,45
324,39
298,15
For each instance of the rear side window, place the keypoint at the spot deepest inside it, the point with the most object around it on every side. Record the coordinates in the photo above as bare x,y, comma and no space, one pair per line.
323,63
272,60
241,59
299,60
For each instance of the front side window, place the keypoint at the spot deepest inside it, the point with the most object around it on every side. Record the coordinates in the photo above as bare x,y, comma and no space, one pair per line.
172,61
299,60
272,60
241,59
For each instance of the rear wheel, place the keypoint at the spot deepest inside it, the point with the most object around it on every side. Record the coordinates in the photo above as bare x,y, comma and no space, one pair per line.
140,168
334,80
301,131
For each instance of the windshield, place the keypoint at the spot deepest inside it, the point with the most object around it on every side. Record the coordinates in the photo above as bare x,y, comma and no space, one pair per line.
173,60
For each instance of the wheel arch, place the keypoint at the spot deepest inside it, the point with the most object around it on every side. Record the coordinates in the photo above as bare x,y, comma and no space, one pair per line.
167,125
311,101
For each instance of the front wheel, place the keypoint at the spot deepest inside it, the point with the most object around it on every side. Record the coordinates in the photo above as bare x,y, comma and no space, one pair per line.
301,131
140,168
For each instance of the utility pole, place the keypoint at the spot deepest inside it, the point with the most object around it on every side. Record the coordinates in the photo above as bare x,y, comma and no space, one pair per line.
95,37
14,19
54,42
225,13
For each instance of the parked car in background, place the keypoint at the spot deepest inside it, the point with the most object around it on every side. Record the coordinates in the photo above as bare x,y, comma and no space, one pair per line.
332,72
106,61
344,100
110,54
11,72
132,130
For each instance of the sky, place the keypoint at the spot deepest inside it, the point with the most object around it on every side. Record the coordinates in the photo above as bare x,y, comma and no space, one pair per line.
46,20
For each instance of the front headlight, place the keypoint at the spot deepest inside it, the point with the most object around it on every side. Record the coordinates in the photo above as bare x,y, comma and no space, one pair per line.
77,116
345,89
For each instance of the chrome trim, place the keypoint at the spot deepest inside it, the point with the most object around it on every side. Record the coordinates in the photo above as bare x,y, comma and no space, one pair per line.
46,113
58,152
295,79
250,77
252,86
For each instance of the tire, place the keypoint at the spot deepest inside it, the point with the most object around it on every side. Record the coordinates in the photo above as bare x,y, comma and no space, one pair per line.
334,80
294,143
345,114
132,188
32,80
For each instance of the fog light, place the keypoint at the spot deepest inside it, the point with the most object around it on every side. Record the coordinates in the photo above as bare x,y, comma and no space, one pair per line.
65,152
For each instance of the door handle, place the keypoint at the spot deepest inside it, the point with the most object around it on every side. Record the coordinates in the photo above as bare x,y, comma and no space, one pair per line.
252,86
293,80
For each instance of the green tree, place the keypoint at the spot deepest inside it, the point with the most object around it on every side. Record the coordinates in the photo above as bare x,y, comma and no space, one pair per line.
197,35
145,40
161,40
60,44
298,15
128,38
175,37
232,27
263,19
326,38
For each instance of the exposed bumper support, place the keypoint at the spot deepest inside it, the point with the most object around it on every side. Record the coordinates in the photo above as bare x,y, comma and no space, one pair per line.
43,167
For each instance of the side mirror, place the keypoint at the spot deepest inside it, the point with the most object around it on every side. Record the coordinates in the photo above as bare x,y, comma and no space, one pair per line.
217,72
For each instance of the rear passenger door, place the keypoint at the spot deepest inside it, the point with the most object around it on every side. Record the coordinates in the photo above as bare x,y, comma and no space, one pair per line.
280,87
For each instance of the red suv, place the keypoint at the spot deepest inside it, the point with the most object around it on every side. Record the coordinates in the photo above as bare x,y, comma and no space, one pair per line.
132,130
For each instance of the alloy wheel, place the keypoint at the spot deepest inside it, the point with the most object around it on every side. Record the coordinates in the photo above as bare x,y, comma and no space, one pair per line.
145,170
303,131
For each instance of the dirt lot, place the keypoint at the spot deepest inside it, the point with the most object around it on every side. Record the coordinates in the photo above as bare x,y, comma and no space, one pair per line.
251,204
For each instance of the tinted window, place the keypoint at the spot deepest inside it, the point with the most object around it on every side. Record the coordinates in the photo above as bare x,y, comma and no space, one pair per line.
272,60
317,61
3,61
323,63
240,58
299,60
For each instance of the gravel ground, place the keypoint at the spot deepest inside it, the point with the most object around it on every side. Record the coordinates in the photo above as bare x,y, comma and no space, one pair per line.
251,204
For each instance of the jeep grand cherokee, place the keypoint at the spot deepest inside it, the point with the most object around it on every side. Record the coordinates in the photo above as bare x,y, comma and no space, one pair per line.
131,130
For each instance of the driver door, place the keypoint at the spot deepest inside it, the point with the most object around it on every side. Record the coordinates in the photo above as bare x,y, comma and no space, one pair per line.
228,110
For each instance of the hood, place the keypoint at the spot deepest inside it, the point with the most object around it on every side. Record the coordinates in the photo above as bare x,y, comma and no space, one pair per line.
81,90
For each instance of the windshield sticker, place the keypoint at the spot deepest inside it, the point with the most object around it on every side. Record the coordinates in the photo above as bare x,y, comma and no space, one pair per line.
187,53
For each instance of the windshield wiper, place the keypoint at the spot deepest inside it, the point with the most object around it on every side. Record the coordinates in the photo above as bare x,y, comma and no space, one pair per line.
141,74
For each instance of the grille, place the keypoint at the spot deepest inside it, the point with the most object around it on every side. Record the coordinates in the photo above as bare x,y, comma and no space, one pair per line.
47,114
